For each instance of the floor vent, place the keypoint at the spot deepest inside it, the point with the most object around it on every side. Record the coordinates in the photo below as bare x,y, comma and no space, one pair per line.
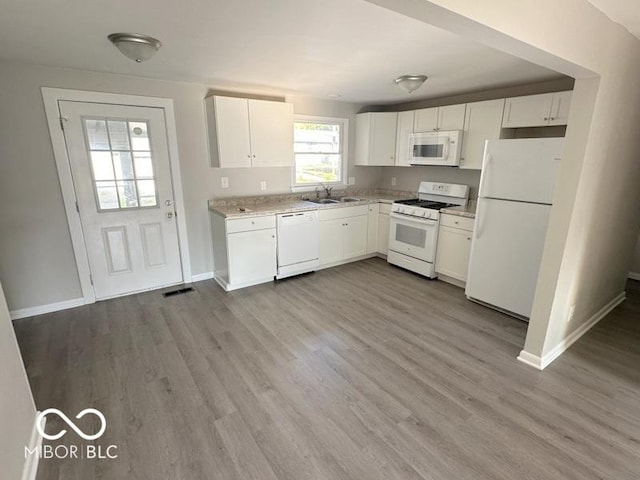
177,292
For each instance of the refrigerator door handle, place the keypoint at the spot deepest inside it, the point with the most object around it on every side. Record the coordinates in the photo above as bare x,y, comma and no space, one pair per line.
485,172
479,217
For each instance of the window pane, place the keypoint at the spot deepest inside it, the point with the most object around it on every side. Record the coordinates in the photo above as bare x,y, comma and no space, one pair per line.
139,136
123,165
101,165
147,193
316,168
107,196
127,194
118,135
144,166
316,137
96,134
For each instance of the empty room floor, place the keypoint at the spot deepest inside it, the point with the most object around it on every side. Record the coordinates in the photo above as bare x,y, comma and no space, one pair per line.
359,372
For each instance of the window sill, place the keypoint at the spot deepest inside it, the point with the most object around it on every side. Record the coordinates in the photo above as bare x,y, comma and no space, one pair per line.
312,188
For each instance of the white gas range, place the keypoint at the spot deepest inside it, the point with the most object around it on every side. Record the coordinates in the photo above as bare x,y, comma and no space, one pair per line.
413,233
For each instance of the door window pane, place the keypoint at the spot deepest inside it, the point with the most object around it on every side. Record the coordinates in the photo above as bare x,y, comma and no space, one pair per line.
97,134
123,165
119,149
102,166
107,195
127,194
144,166
139,137
118,135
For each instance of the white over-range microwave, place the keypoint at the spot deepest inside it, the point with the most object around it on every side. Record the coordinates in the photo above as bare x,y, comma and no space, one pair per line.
435,148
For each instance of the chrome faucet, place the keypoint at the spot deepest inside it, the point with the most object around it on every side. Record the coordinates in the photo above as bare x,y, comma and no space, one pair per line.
317,193
328,190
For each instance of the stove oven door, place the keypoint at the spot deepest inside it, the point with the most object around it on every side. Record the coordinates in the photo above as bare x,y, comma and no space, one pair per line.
415,237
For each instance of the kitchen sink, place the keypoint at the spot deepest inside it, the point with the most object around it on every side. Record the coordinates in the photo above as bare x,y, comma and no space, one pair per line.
323,201
350,199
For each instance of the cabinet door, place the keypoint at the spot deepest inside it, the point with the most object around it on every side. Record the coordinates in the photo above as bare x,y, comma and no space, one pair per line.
271,127
528,111
252,256
331,241
483,121
560,107
452,256
355,237
426,119
372,228
451,117
405,128
383,139
383,234
231,132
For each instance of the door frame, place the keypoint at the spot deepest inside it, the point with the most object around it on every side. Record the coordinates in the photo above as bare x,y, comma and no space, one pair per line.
51,97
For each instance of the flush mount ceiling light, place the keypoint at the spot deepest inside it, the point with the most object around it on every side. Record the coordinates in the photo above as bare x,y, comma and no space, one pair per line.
136,46
409,83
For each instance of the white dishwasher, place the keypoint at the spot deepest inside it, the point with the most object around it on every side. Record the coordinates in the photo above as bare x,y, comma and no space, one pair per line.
298,243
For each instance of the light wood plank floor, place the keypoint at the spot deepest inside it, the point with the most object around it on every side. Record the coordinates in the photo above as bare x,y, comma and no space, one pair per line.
360,372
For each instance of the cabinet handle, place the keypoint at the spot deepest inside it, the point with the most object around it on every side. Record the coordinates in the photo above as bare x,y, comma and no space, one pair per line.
248,156
468,238
552,118
273,236
546,118
254,156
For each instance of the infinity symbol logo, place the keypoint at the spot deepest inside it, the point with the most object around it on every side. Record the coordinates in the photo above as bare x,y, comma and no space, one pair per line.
97,413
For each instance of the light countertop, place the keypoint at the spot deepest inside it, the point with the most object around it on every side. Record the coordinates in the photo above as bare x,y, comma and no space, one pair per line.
468,211
270,207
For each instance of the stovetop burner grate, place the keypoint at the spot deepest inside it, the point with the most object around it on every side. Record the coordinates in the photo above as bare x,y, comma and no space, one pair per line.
416,202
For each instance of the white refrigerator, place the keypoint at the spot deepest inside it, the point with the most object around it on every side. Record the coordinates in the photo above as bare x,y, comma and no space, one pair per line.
514,200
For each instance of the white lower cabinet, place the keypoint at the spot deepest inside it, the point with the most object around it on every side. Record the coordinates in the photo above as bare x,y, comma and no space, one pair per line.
383,229
454,247
244,250
372,228
343,234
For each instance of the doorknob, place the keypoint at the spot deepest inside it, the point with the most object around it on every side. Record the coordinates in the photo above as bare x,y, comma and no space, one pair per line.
169,215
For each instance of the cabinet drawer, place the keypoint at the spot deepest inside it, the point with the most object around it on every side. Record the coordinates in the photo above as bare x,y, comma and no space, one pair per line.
342,212
455,221
253,223
385,208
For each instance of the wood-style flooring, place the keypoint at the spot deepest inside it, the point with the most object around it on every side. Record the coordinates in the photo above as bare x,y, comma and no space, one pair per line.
360,372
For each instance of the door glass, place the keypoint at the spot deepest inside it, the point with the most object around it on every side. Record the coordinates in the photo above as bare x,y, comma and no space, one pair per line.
121,163
410,235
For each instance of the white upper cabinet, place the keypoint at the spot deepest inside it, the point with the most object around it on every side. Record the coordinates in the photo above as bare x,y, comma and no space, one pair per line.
376,138
450,117
405,128
483,121
271,127
537,110
560,107
245,133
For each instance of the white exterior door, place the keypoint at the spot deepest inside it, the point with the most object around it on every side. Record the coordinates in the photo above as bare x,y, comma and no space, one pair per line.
119,160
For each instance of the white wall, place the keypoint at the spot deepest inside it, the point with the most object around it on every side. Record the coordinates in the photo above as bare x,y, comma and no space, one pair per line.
17,410
594,222
36,257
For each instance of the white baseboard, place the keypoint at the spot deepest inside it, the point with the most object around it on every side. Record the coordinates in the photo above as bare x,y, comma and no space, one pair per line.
560,348
30,469
530,359
41,309
634,275
198,277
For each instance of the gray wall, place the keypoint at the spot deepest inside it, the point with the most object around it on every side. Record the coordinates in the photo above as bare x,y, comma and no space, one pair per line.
37,264
635,261
17,410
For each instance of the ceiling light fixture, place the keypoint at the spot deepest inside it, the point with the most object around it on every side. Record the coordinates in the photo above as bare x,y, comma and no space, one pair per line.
136,46
409,83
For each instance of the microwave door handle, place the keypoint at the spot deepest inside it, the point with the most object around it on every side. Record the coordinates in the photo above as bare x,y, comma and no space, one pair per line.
445,150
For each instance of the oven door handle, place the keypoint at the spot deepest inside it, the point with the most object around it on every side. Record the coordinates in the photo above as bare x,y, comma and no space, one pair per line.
411,218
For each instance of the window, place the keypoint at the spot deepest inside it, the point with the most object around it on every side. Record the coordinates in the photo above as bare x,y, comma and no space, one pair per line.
319,148
121,163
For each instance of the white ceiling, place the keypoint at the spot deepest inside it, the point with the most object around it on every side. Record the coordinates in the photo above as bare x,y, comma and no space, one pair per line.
317,48
624,12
